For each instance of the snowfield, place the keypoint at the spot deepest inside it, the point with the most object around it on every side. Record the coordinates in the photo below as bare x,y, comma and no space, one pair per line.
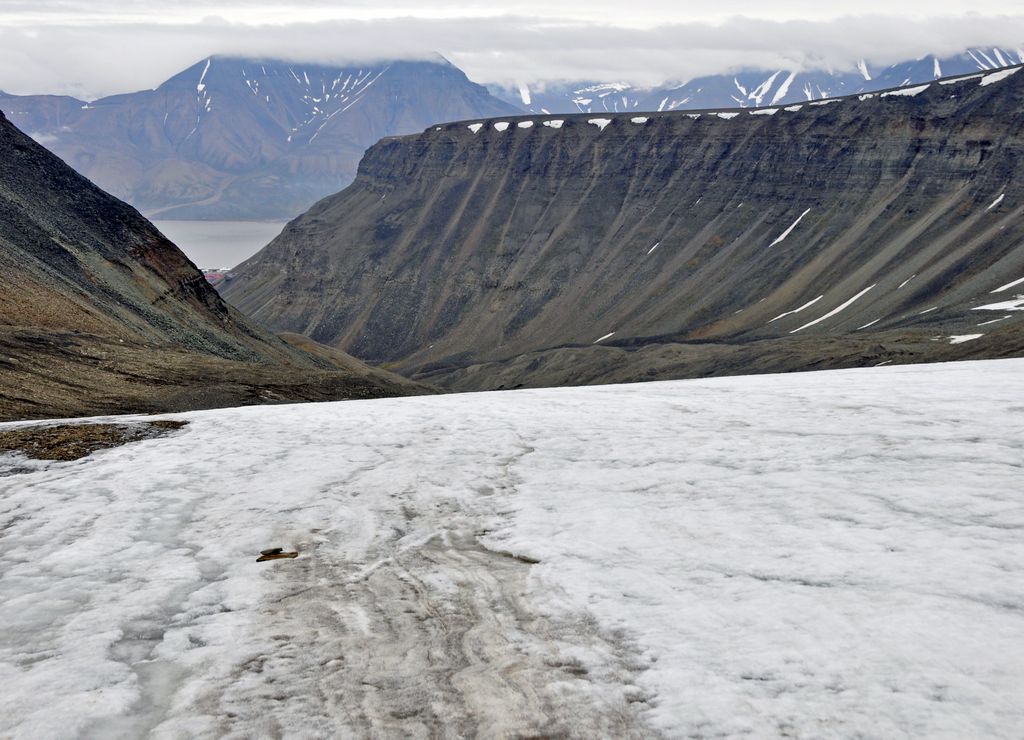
831,554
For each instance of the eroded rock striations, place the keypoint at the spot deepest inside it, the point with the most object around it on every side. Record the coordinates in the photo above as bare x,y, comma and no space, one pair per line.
576,249
100,313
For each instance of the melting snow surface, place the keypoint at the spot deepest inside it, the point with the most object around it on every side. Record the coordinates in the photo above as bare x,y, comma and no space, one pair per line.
834,311
996,202
1017,304
600,122
789,231
961,338
993,321
908,92
1001,288
997,76
798,310
960,79
784,88
836,553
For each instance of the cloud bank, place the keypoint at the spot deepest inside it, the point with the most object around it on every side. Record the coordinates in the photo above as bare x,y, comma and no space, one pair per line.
90,59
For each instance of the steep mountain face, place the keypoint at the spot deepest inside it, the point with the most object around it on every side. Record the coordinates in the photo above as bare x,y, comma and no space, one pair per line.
750,88
99,312
244,138
535,250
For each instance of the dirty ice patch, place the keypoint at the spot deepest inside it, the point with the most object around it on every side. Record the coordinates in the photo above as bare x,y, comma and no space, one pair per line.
997,76
813,554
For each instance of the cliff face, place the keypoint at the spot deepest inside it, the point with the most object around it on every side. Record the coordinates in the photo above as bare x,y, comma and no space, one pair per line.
865,229
99,312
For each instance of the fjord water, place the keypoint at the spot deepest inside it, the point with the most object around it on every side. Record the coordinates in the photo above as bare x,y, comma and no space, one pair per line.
213,244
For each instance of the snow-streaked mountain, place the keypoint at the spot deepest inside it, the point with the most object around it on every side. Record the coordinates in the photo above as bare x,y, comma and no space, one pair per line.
748,88
246,138
557,250
820,554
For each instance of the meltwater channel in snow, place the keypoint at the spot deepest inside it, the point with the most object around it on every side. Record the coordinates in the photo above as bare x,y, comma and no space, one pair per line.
832,554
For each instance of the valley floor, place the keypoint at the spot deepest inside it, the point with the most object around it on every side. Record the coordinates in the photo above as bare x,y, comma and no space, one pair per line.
830,554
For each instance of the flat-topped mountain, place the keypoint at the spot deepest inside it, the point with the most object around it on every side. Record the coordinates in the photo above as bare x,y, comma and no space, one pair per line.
100,313
545,249
749,88
246,138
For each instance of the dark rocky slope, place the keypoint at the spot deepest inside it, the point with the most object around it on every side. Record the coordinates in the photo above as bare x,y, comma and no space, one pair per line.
232,138
100,313
483,255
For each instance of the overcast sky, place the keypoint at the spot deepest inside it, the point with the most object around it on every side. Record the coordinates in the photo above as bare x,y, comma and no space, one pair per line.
95,47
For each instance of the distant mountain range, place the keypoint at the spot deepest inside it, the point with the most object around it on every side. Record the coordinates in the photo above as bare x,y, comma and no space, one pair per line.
748,88
232,138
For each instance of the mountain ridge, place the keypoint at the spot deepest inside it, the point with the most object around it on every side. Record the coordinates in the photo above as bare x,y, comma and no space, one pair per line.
237,138
748,87
462,251
100,313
